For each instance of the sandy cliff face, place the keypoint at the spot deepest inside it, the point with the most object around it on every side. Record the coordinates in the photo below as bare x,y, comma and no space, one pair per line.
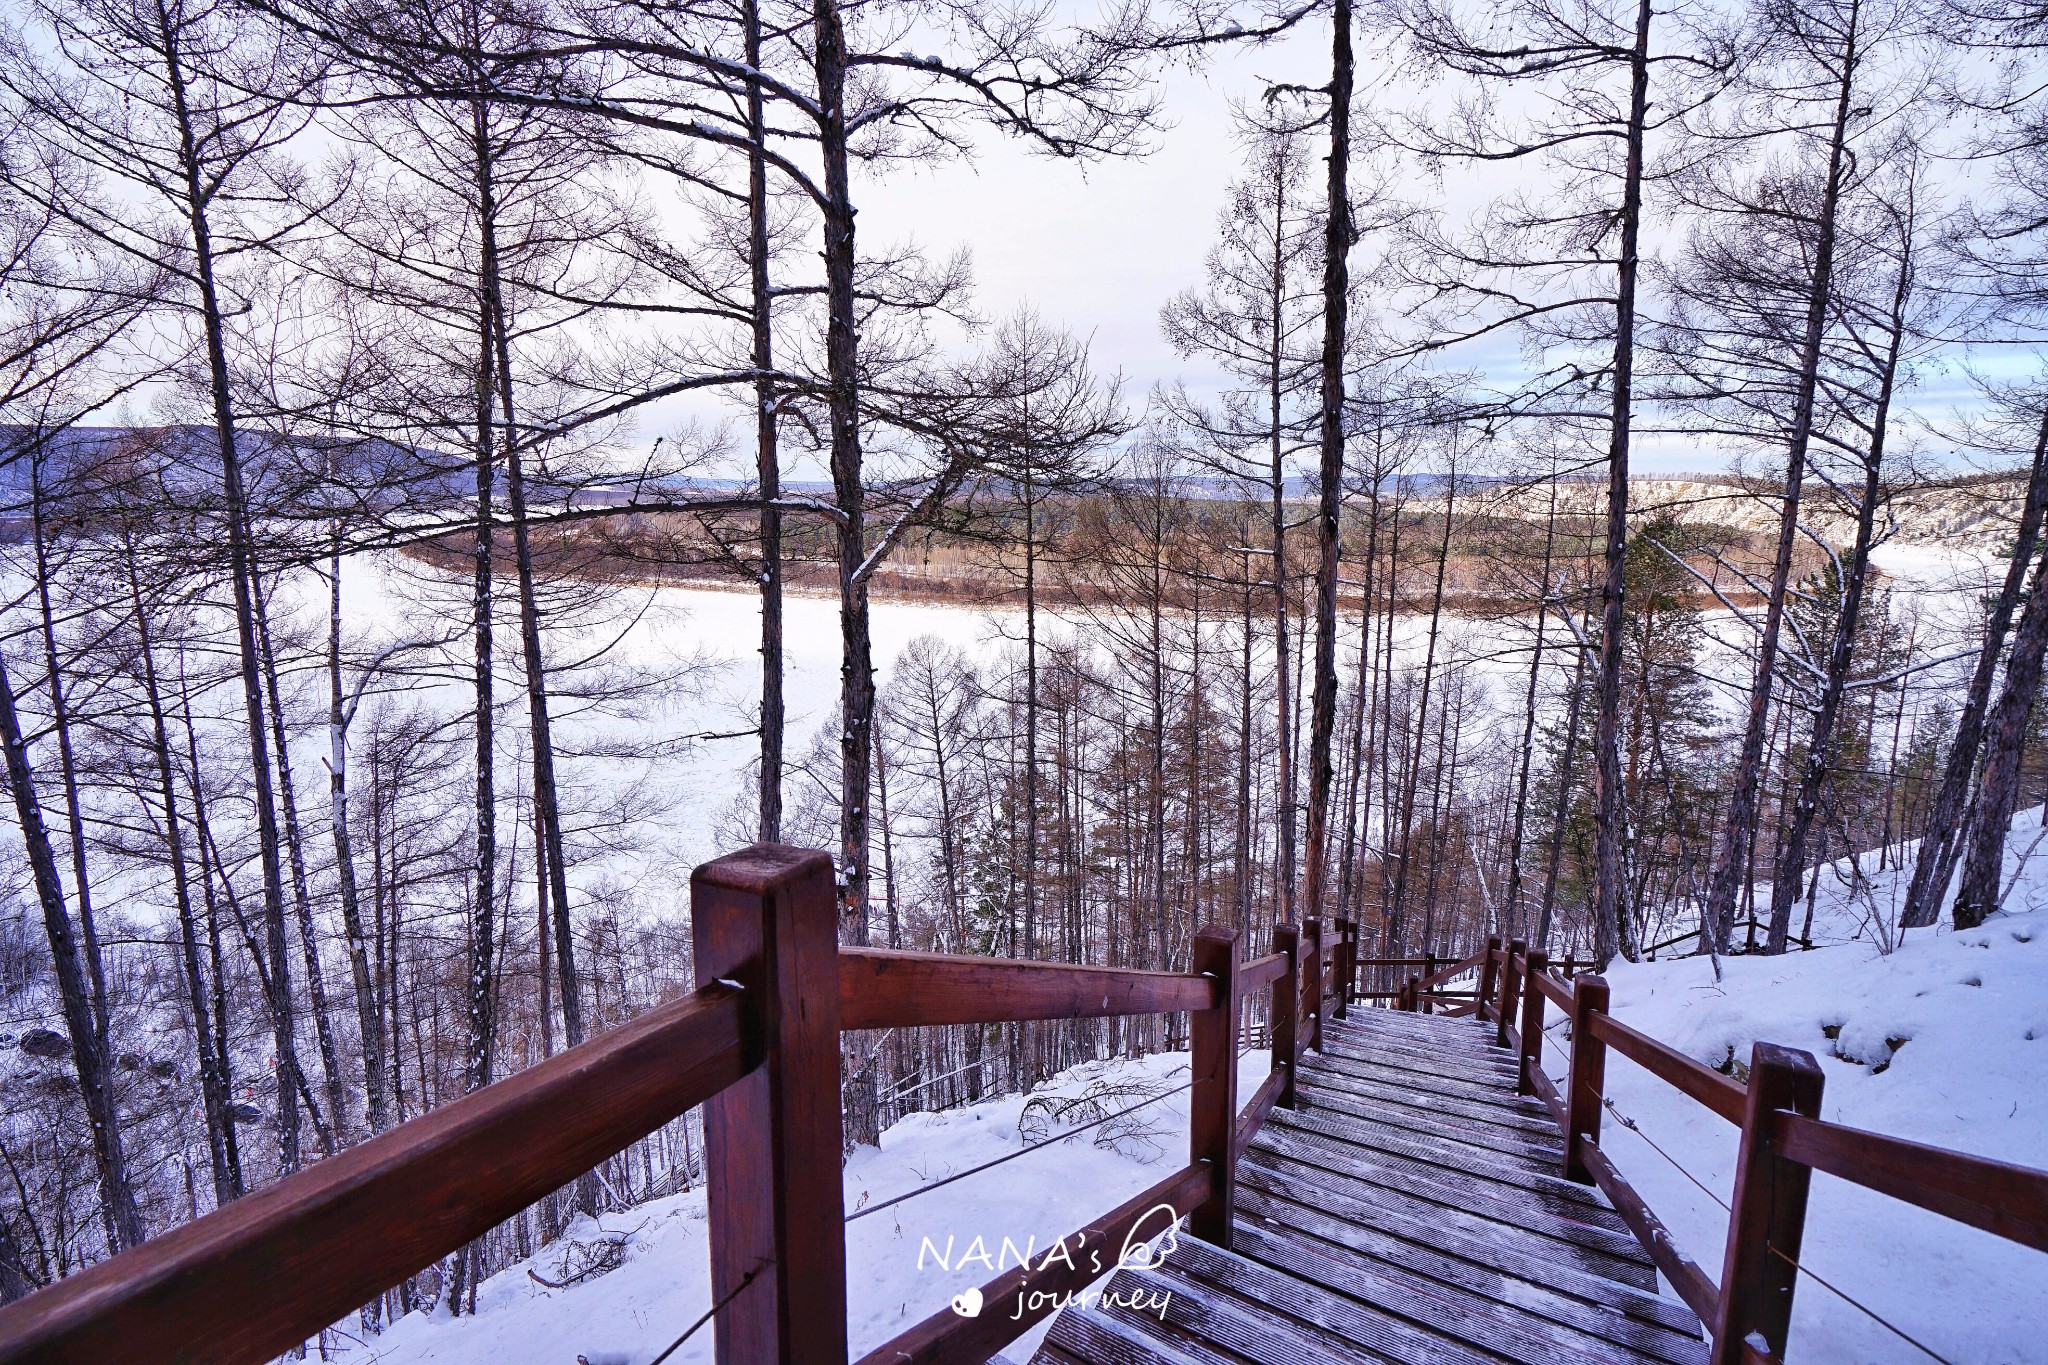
1975,512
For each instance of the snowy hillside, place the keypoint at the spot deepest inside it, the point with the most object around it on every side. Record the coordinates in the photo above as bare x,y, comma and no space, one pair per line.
1943,1040
903,1263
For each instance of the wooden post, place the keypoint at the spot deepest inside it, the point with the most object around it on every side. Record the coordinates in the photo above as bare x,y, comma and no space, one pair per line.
766,918
1312,983
1768,1213
1286,1010
1588,1079
1347,954
1410,991
1428,970
1488,968
1212,1104
1509,980
1532,1024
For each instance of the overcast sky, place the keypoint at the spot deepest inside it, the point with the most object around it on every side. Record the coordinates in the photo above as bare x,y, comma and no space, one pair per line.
1098,248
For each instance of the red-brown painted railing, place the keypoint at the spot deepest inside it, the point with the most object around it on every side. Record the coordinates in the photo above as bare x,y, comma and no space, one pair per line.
758,1047
1783,1141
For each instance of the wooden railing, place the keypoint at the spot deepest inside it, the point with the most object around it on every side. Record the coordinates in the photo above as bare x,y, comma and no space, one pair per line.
1783,1140
758,1046
1424,989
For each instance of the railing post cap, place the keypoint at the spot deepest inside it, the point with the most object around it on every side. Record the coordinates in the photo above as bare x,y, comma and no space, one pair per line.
1791,1061
758,868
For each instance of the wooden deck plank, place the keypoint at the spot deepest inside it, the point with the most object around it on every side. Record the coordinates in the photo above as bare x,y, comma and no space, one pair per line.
1507,1160
1436,1175
1254,1334
1486,1075
1408,1213
1084,1336
1536,1123
1567,1332
1456,1038
1475,1054
1264,1291
1448,1129
1506,1272
1498,1094
1487,1220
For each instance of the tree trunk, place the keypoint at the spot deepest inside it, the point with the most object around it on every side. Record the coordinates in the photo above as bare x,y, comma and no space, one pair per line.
1741,815
768,464
1611,934
1842,651
377,1111
302,900
240,568
2004,747
67,758
88,1055
1329,508
213,1089
1511,901
1942,843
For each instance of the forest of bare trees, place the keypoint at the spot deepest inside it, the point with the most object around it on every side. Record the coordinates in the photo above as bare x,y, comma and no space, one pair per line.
347,518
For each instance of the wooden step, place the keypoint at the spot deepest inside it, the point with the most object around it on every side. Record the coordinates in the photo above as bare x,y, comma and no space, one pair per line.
1410,1211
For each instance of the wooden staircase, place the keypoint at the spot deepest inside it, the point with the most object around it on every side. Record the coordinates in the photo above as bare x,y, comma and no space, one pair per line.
1411,1210
1383,1195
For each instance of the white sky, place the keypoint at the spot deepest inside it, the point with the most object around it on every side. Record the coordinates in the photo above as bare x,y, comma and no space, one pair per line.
1098,248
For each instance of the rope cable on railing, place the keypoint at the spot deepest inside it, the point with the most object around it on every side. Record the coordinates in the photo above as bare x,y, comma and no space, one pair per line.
708,1314
1012,1156
1634,1127
1893,1328
1625,1121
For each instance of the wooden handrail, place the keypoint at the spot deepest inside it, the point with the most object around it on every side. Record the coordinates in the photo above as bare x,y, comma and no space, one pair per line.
264,1273
1692,1283
1783,1139
1997,1196
1546,1090
884,988
758,1048
1261,972
1261,1104
1719,1093
1456,968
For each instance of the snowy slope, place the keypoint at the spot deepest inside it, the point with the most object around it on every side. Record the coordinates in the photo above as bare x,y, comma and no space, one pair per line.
628,1316
1943,1040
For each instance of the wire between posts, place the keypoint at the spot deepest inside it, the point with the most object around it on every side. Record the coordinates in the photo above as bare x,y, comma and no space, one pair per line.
1866,1310
1893,1328
708,1314
1012,1156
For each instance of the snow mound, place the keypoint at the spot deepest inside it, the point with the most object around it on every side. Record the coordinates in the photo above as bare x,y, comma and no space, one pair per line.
1943,1040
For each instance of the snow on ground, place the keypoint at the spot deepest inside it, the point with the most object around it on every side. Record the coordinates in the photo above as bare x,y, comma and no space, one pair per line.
903,1263
1943,1040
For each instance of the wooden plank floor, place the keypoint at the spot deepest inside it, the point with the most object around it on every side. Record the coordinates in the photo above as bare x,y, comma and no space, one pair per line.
1408,1211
